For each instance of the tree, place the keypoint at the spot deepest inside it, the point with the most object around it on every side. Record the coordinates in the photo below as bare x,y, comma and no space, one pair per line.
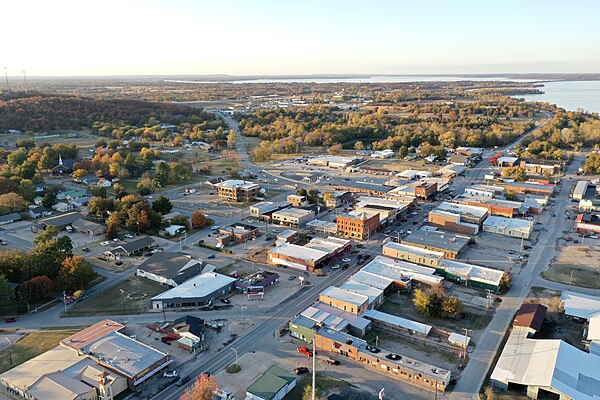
489,393
7,295
199,220
335,149
75,273
435,302
49,199
452,307
12,202
143,221
203,389
359,145
422,302
38,287
162,205
263,151
403,152
232,139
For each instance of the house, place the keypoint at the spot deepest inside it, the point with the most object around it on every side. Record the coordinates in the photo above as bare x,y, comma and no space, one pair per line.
106,183
169,268
63,207
191,328
132,248
357,225
38,200
237,190
199,291
10,218
38,211
87,227
273,384
530,318
297,201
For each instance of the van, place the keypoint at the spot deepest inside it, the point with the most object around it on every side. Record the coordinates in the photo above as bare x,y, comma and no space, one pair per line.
183,380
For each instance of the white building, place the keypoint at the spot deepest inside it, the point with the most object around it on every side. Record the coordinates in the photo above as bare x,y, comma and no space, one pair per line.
295,217
514,227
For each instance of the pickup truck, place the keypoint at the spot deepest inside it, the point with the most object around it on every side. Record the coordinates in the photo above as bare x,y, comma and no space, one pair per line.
328,360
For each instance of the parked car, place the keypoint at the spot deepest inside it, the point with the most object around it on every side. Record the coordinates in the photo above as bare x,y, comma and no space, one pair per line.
336,266
346,259
291,277
85,250
345,267
10,319
301,370
304,350
170,374
129,236
183,380
226,301
275,230
211,256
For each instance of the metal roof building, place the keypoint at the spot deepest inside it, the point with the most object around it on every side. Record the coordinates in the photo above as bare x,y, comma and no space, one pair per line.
273,384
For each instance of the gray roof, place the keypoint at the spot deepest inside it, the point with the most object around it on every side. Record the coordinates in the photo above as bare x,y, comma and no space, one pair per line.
365,186
136,245
169,265
10,217
62,220
87,225
437,239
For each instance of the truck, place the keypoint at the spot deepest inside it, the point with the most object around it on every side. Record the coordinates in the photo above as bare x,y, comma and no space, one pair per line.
328,360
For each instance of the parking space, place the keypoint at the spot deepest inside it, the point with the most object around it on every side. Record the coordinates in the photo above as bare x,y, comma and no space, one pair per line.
497,251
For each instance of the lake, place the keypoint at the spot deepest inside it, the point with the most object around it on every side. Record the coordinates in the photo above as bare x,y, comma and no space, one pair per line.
569,95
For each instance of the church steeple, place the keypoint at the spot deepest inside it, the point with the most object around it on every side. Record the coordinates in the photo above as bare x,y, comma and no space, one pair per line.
60,161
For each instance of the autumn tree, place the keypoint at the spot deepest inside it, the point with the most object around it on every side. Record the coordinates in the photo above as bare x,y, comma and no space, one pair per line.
359,145
435,302
75,273
232,139
12,202
38,287
199,220
262,152
202,389
335,149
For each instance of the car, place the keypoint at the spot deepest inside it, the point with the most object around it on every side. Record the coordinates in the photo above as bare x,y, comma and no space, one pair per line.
134,337
85,250
211,256
129,236
511,252
346,259
414,213
304,350
3,242
345,267
291,277
148,254
276,230
215,227
183,380
593,237
106,243
401,232
360,246
10,319
226,301
301,370
336,266
415,222
119,263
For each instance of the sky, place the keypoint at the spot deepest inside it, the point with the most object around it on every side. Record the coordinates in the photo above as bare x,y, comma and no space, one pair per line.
281,37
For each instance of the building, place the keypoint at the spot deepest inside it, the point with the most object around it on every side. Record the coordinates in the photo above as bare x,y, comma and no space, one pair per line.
264,210
237,233
39,211
322,227
287,236
471,275
502,208
514,227
541,167
297,201
491,191
294,217
580,191
470,151
374,294
387,153
468,214
199,291
237,190
334,161
507,161
60,222
547,367
273,384
357,225
338,197
389,210
448,243
587,223
319,315
371,189
10,218
462,160
531,188
420,189
413,174
416,255
169,268
134,247
394,323
345,300
257,282
529,318
61,206
451,222
64,167
87,227
314,255
394,365
401,273
190,329
452,171
580,306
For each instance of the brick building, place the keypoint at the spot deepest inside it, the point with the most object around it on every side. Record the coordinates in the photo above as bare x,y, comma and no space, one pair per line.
345,300
237,190
357,225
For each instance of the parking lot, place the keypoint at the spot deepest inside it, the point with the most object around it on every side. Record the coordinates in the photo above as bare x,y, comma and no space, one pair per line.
496,251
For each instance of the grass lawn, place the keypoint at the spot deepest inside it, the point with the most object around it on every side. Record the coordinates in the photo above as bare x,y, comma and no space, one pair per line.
325,386
33,345
583,277
111,302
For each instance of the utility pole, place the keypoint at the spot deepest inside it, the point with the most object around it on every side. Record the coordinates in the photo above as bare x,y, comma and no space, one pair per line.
65,301
571,280
25,78
314,373
236,355
123,299
9,351
6,76
466,344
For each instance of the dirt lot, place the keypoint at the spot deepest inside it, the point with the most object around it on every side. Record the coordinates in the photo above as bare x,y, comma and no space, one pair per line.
137,291
580,260
557,325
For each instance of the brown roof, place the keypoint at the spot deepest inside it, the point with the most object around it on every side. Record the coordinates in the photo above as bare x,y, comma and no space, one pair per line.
91,334
530,315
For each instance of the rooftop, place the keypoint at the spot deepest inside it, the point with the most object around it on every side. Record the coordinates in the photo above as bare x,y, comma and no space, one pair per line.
365,186
135,245
299,252
530,315
237,183
464,209
510,223
197,287
416,251
172,265
437,239
333,317
360,288
331,244
91,334
345,295
293,213
398,321
401,271
372,280
489,201
270,382
580,305
473,272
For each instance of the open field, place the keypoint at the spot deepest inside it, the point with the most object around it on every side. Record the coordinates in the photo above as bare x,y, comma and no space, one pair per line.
575,264
111,302
32,345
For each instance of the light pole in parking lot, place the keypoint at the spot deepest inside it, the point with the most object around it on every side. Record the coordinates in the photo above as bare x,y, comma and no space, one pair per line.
123,299
236,355
243,318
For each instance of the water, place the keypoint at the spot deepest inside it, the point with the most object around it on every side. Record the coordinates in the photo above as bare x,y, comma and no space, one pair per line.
570,95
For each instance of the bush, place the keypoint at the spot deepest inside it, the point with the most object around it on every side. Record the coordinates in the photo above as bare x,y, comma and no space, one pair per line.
233,369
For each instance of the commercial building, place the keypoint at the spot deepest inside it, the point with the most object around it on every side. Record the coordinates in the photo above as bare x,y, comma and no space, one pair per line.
322,227
587,223
452,171
371,189
10,218
237,190
357,225
419,189
169,268
541,167
471,275
389,210
547,366
287,236
514,227
529,318
333,161
87,227
531,188
503,208
416,255
394,365
237,233
338,198
374,294
294,217
580,190
507,161
402,273
314,255
320,315
273,384
344,300
263,211
578,305
297,201
394,323
451,222
413,174
387,153
491,191
198,291
448,243
132,248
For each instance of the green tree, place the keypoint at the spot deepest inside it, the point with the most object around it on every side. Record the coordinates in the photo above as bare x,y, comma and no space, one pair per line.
162,205
6,296
403,152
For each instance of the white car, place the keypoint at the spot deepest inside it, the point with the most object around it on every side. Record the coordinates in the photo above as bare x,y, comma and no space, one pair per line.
593,237
336,266
129,236
216,227
346,259
170,374
105,243
275,230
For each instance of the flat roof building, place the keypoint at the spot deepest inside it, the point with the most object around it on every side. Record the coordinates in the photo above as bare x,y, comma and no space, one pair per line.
413,254
401,272
531,188
513,227
273,384
196,292
472,275
580,190
374,294
372,189
237,190
169,268
345,300
451,222
313,255
357,225
389,210
294,217
503,208
448,243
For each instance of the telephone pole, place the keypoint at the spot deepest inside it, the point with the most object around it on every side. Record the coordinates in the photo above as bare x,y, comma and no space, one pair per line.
6,76
466,343
25,78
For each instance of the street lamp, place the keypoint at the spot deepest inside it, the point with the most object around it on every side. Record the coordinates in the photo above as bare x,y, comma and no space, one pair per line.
65,301
236,355
123,298
9,351
243,319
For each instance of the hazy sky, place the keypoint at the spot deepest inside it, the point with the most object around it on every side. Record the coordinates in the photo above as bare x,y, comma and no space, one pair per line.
109,37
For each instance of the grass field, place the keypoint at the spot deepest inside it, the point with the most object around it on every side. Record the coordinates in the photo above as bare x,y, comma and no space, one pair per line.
32,345
111,302
325,385
583,277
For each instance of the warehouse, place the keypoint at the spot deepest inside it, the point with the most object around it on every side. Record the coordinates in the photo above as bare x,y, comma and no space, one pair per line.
394,323
413,254
402,273
199,291
375,295
448,243
344,300
503,208
273,384
315,254
513,227
372,189
388,210
471,275
451,222
531,188
580,190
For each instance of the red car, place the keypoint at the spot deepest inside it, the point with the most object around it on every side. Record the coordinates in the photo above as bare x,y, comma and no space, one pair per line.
10,319
305,350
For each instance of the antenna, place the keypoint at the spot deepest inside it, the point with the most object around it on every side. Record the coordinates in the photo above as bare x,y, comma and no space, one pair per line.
25,78
6,76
